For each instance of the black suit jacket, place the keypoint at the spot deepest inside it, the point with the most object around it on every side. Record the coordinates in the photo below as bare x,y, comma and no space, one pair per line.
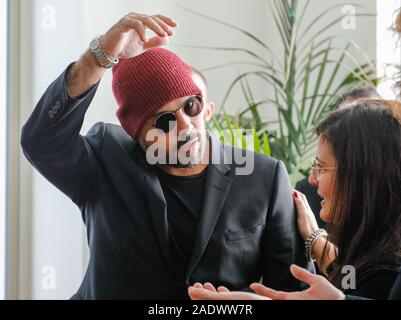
247,228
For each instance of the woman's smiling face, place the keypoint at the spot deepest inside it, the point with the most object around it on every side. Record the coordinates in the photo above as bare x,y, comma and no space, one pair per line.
323,177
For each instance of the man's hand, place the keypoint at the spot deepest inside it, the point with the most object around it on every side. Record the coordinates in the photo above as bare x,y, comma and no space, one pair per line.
320,288
209,292
126,39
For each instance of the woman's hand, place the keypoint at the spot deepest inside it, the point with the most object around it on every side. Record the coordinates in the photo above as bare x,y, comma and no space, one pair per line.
209,292
307,223
320,288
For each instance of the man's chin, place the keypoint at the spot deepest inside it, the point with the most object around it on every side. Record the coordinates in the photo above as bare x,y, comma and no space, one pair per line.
191,159
181,166
188,163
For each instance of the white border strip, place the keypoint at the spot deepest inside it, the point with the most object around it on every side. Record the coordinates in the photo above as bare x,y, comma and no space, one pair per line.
3,142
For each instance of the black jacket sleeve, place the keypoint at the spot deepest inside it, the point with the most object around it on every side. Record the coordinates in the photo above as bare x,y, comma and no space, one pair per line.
283,243
376,286
52,143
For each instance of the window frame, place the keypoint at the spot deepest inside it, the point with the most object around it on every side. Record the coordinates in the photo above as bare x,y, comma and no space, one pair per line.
4,99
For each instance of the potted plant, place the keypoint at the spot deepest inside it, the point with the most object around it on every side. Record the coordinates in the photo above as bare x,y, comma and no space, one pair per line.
299,103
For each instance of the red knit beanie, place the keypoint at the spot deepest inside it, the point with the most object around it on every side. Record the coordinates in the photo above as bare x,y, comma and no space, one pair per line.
144,84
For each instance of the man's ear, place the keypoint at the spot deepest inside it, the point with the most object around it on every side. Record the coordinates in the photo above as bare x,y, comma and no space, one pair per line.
209,111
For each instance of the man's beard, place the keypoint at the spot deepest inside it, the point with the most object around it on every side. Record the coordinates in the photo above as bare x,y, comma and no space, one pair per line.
175,156
195,156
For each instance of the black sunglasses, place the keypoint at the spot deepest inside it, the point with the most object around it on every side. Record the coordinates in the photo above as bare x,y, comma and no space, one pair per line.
191,107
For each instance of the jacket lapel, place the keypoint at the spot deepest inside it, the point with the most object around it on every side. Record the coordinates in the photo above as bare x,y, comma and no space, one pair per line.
217,186
158,207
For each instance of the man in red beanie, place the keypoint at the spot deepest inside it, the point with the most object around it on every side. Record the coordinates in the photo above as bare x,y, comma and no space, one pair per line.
155,83
161,214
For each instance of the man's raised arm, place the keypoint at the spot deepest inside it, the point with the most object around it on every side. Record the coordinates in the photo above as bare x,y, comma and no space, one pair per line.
51,138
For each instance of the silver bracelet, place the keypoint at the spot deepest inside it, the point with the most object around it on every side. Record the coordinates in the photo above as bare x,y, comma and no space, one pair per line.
102,58
310,241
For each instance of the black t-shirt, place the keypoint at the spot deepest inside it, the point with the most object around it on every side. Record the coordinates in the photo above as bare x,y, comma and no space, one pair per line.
184,197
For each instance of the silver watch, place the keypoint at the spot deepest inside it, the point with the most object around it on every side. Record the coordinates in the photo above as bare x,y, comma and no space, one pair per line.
102,58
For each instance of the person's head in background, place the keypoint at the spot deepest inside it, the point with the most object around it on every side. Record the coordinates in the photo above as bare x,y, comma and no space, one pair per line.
358,174
346,100
202,83
355,94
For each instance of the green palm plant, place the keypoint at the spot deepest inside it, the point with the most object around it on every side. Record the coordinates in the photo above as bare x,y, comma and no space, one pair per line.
300,101
241,131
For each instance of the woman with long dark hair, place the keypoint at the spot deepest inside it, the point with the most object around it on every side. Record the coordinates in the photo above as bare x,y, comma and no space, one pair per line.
358,174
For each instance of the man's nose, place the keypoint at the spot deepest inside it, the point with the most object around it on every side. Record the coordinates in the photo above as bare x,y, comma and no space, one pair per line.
183,121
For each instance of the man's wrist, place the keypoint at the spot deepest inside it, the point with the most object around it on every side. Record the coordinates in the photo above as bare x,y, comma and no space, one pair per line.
83,75
104,59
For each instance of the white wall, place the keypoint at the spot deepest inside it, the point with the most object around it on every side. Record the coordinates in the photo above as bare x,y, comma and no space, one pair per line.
192,30
253,16
56,229
57,237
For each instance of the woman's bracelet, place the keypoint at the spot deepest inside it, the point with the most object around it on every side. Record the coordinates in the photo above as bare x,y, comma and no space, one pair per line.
310,241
